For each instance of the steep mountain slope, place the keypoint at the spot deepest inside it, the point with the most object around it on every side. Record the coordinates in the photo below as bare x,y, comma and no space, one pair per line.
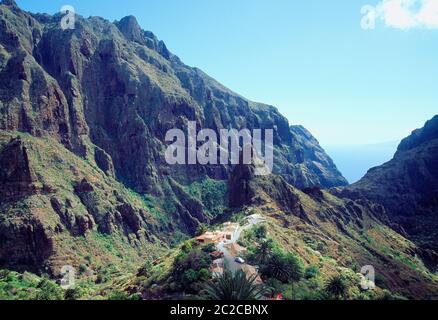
84,182
103,97
332,236
58,209
408,186
319,226
121,87
314,159
354,161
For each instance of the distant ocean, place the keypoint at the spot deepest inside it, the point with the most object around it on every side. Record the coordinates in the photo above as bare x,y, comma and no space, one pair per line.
354,161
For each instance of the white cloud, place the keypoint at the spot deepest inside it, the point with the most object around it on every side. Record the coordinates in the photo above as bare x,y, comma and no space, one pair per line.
406,14
428,15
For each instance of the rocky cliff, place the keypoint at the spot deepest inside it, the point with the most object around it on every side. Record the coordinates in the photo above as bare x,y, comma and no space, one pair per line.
318,226
57,209
120,87
408,185
104,95
83,180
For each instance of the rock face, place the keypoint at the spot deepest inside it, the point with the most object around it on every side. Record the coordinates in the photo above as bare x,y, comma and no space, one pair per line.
351,231
120,87
104,95
83,119
51,200
314,159
15,171
408,185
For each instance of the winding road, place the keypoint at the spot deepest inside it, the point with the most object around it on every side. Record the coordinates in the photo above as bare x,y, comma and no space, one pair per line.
229,259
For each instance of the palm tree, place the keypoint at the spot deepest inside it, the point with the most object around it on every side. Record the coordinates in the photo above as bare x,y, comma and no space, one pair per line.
264,251
285,268
337,287
276,268
295,270
261,232
235,286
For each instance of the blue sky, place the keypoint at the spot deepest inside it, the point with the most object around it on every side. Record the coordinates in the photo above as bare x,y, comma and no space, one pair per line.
311,59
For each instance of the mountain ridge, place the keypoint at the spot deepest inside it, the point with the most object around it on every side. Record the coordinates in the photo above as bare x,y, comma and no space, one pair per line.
407,185
84,182
108,92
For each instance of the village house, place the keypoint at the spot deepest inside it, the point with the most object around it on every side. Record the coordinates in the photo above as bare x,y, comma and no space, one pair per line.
229,230
211,237
217,254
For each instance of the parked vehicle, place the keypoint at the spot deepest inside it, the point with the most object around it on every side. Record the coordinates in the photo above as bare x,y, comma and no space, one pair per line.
240,260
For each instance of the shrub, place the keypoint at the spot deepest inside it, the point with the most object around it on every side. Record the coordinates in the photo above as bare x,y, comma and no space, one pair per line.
204,274
145,270
311,272
191,268
380,281
261,232
48,290
189,277
209,248
187,247
337,287
106,273
73,294
121,295
82,268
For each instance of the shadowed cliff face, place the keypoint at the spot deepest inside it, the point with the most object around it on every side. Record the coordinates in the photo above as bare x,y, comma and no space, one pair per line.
52,200
119,87
408,185
105,94
354,232
83,118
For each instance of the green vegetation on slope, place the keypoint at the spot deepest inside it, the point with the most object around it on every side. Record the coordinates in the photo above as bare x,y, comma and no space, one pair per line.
212,194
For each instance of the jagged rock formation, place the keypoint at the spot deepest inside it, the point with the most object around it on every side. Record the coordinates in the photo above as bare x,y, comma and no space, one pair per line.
354,232
83,118
408,186
314,159
52,201
120,87
108,93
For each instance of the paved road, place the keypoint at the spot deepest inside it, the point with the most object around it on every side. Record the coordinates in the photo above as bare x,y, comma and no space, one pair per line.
229,259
